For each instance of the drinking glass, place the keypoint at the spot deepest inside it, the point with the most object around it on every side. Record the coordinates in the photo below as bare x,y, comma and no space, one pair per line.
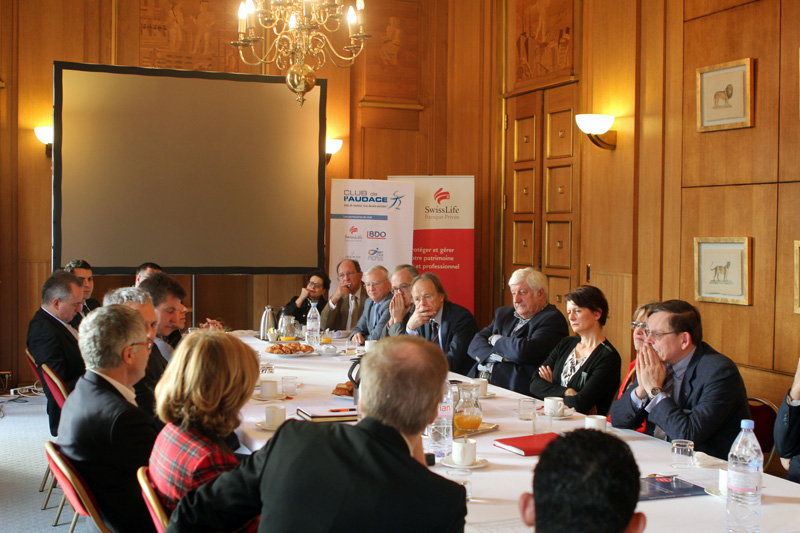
682,453
543,422
289,385
526,408
463,478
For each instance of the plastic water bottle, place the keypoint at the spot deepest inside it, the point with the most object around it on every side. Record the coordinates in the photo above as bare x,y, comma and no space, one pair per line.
441,430
745,465
312,326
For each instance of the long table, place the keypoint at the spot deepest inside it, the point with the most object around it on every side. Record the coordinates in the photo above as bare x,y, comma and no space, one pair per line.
496,488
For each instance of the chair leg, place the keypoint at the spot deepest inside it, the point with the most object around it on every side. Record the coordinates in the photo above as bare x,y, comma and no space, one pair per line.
60,507
49,491
74,521
44,479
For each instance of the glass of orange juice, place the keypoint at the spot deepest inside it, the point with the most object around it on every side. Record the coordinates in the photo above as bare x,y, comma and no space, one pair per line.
468,413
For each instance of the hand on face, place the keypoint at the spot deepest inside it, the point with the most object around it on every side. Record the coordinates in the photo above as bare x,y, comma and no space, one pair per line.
650,370
397,308
420,317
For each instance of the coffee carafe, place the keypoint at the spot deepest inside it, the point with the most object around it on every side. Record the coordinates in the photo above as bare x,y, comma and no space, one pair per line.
355,378
268,322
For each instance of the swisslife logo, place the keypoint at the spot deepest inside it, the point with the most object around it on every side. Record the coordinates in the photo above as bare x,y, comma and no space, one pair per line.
440,195
439,211
353,234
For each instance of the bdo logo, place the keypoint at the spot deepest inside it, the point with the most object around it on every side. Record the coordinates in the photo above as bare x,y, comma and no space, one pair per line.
373,234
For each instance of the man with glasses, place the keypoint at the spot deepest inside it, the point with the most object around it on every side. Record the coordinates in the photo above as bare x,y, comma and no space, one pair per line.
348,300
52,340
683,389
376,310
102,431
401,307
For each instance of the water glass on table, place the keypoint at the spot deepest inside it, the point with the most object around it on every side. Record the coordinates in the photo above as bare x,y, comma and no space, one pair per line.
682,453
289,385
463,478
543,422
526,408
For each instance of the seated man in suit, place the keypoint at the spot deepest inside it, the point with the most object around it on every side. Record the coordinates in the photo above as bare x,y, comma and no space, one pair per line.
376,310
510,349
684,389
167,295
145,270
137,299
52,340
83,271
102,431
441,321
347,302
337,477
401,307
584,481
787,429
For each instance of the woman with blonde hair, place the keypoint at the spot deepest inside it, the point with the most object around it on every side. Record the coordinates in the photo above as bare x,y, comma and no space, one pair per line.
210,377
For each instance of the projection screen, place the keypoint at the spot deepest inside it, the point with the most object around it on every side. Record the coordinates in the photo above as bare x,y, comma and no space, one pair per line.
201,172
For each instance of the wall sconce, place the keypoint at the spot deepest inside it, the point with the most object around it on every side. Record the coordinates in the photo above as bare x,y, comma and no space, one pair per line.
45,136
598,129
331,147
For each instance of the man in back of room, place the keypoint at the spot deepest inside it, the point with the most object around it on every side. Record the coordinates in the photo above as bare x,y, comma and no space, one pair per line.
347,302
83,271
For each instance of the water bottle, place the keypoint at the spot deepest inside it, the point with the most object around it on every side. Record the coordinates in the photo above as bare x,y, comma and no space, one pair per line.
745,465
312,326
441,430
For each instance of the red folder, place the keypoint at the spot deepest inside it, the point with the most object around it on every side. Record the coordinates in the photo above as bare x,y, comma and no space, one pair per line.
527,444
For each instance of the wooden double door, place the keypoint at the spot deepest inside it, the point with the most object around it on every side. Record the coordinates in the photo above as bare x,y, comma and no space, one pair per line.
541,200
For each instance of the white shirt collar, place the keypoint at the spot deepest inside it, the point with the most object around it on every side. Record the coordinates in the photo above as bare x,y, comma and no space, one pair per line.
128,393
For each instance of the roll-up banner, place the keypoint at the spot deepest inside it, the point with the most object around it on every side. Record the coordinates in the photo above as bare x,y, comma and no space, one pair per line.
444,232
372,222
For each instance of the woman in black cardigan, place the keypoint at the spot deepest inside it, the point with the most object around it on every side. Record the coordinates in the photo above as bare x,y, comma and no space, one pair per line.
584,369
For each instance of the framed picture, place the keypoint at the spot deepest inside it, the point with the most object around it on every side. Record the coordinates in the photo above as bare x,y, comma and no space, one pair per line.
725,96
796,247
722,269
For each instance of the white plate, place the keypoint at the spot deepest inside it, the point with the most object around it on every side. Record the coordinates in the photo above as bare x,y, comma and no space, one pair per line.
298,354
488,396
714,491
264,427
480,462
350,398
257,397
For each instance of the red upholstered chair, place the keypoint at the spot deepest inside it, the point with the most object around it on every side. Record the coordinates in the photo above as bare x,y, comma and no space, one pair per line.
764,414
60,392
32,364
76,491
152,500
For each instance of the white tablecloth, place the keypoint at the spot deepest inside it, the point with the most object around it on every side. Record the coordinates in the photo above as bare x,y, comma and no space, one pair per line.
496,488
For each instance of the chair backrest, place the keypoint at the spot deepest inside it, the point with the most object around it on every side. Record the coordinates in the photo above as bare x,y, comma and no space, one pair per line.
57,387
152,500
71,482
764,414
32,363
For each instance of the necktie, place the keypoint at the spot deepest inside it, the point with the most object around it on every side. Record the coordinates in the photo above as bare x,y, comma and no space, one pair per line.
666,389
434,332
374,317
353,305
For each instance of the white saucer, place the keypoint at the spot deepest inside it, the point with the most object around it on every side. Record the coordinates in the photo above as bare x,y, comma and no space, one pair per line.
714,491
480,462
487,396
298,354
257,397
566,415
264,427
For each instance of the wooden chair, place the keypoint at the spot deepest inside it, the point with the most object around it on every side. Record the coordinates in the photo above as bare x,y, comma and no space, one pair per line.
764,414
152,500
32,364
76,491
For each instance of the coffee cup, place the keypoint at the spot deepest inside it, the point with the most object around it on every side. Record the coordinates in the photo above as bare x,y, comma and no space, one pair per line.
464,451
369,345
482,384
554,405
268,389
597,422
274,416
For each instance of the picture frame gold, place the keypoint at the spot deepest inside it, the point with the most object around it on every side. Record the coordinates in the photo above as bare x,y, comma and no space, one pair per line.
725,96
796,247
723,270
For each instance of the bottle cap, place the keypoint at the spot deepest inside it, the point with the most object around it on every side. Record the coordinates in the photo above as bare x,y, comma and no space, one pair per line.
747,424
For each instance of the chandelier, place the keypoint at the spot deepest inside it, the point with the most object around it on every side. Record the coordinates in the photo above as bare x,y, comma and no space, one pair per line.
301,46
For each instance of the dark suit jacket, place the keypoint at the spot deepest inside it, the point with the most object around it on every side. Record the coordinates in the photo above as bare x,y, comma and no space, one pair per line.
145,388
712,403
787,437
596,381
88,305
523,350
51,343
373,333
327,477
107,439
456,331
336,319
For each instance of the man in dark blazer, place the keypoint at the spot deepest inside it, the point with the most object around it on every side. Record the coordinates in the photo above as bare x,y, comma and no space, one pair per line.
510,349
83,271
684,389
347,302
52,340
376,310
336,477
102,431
441,321
787,429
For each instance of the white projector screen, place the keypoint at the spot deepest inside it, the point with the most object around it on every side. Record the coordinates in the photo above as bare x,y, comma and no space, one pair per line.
200,172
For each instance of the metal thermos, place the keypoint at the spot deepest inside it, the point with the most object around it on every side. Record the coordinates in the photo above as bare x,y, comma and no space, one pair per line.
267,322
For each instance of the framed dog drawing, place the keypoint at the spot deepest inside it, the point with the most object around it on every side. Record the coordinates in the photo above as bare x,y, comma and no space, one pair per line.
723,269
725,96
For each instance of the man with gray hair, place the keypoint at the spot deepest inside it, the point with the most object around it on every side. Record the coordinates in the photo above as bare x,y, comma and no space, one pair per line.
139,300
367,477
51,339
102,431
401,306
509,350
376,310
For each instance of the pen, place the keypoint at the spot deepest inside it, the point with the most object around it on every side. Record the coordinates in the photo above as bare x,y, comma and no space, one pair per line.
341,410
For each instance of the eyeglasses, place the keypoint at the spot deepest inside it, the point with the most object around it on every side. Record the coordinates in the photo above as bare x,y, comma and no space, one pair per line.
149,344
314,285
375,283
658,334
402,287
637,325
427,297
